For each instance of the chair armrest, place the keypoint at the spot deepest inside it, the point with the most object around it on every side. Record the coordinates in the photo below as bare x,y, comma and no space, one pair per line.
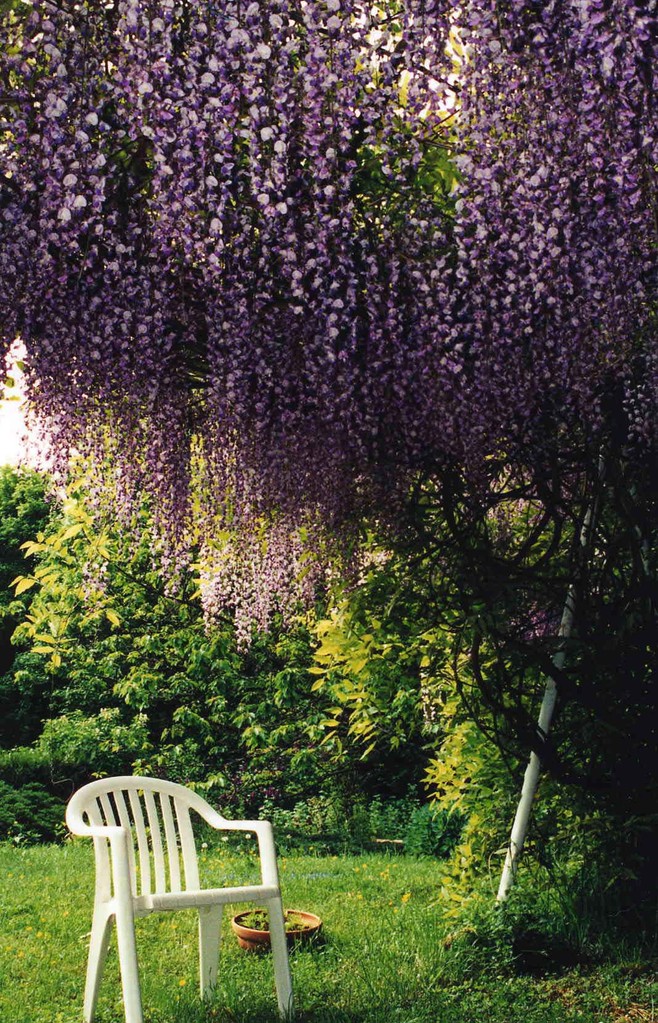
98,831
258,827
76,824
219,823
265,835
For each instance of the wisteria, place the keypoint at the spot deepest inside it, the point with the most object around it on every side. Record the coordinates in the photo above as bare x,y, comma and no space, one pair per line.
250,280
556,275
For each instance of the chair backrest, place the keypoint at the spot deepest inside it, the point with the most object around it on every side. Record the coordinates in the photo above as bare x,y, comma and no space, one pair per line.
156,815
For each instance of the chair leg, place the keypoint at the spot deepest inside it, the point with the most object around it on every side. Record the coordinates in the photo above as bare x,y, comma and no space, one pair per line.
280,958
210,933
132,998
101,928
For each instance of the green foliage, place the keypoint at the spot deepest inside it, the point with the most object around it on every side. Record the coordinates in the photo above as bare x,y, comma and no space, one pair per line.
384,182
122,675
375,667
321,822
12,5
411,654
390,818
527,934
496,572
332,823
598,867
24,510
432,832
78,746
23,765
72,601
371,676
25,698
30,814
131,679
469,778
112,646
396,679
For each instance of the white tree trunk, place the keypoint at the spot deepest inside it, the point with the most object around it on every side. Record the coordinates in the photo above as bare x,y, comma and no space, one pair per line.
533,770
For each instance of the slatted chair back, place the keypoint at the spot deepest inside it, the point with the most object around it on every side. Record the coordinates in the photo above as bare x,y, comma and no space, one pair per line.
162,853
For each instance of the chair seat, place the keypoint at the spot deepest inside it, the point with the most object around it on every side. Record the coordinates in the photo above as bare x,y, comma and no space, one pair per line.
203,897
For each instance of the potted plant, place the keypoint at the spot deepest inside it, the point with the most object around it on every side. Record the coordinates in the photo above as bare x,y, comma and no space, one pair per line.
252,927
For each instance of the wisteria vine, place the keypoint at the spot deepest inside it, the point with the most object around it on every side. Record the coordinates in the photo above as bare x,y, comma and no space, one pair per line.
250,279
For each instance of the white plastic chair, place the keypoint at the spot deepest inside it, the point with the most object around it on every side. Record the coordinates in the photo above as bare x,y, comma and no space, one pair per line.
143,834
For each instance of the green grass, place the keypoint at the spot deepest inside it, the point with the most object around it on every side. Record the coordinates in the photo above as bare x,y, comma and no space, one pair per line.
384,959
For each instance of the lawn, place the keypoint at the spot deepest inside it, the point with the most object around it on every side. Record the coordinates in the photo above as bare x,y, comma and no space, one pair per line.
384,958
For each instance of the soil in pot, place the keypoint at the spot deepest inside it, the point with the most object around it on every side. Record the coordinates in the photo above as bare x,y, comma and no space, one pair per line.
251,928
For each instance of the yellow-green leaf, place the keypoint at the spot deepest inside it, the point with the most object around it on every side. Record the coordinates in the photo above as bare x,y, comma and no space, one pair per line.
71,531
23,583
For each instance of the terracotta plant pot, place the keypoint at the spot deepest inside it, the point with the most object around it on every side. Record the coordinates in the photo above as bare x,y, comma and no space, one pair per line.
300,928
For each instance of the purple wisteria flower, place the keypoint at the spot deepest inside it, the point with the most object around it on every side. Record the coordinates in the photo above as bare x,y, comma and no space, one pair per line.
250,281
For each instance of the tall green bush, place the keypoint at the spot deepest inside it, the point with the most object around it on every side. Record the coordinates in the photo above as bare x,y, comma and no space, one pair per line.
24,685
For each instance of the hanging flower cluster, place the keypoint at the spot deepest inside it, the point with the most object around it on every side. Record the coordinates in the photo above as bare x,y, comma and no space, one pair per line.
555,286
190,243
249,278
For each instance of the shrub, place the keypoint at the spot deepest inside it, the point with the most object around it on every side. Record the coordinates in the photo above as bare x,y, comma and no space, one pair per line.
330,823
432,832
524,935
23,512
23,765
101,744
30,814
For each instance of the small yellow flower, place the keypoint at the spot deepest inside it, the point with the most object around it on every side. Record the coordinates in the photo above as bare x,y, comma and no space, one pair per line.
182,982
406,897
